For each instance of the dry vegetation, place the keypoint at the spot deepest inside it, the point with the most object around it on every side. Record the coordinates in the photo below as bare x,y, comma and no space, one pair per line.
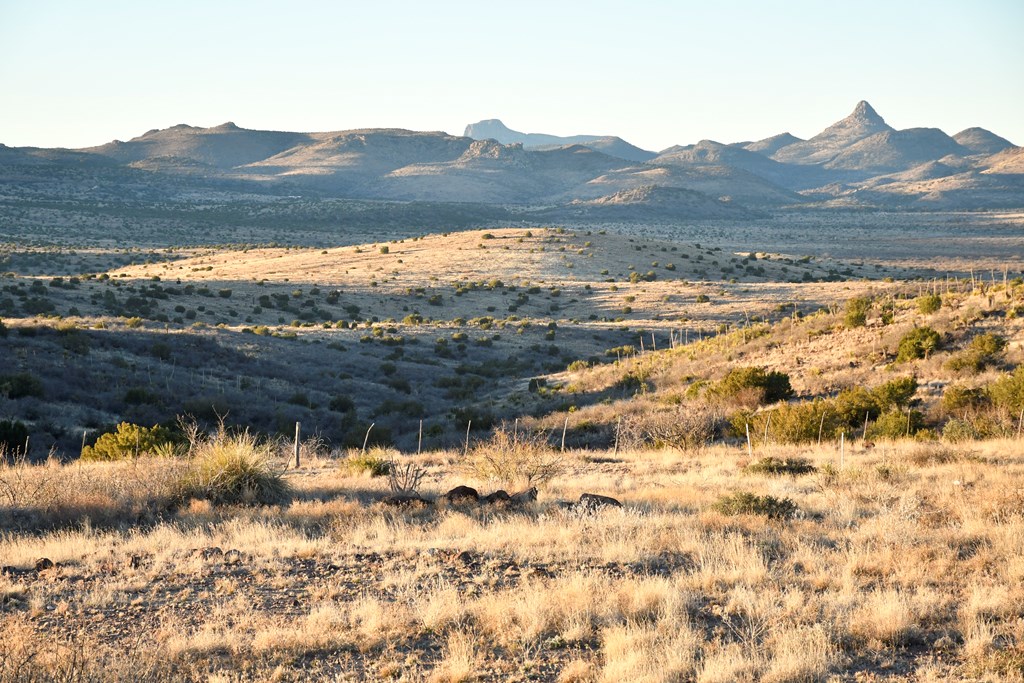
819,464
898,563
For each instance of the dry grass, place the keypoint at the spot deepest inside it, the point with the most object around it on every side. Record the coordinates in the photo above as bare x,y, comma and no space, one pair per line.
895,561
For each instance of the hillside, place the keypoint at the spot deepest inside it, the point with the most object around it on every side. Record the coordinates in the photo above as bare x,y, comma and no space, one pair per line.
494,129
863,122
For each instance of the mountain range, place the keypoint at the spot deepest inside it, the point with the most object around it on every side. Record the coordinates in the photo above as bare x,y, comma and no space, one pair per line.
859,161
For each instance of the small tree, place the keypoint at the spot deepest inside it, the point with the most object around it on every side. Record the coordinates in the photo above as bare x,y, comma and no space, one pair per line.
918,343
128,441
856,314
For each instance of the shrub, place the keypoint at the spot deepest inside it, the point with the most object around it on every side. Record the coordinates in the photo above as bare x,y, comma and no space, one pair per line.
918,343
856,313
341,404
376,462
958,431
233,469
929,303
515,458
896,424
777,466
981,353
684,428
755,384
897,392
21,385
957,397
127,441
1007,392
744,503
12,436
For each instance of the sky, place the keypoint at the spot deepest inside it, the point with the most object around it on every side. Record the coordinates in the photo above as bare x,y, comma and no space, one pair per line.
655,72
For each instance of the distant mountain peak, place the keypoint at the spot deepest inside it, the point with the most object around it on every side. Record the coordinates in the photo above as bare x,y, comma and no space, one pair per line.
866,113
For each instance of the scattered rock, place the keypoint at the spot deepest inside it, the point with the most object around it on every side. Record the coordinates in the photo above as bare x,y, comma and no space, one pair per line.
460,495
499,497
44,563
465,557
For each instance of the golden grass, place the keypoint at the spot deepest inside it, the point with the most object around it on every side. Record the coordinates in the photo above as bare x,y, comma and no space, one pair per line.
892,558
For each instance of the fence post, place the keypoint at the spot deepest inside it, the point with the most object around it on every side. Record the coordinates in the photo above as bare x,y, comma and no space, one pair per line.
298,432
565,428
366,439
469,425
419,444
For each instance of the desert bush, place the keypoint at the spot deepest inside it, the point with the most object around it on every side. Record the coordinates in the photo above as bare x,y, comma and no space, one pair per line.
12,435
745,503
1007,392
751,384
918,343
982,352
514,458
684,427
21,385
958,431
896,424
127,441
777,466
233,469
375,462
929,303
958,398
856,312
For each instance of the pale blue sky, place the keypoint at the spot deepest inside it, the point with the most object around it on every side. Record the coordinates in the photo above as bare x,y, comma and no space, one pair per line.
77,73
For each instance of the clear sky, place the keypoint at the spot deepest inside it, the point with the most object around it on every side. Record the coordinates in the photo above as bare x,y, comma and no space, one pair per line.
77,73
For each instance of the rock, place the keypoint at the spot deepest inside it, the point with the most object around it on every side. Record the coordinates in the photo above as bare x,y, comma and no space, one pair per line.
460,495
593,501
524,497
232,557
405,500
44,563
499,497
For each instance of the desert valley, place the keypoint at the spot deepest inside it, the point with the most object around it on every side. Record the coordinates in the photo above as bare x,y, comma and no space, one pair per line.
392,405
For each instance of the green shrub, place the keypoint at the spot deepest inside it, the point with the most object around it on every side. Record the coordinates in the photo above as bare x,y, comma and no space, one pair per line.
12,436
929,303
856,312
957,397
959,431
895,424
376,462
897,392
341,404
1007,392
766,386
777,466
233,469
918,343
21,385
127,441
982,352
744,503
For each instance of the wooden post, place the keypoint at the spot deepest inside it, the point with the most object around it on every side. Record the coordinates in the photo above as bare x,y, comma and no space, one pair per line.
618,423
565,428
654,342
1020,422
842,449
866,415
419,444
766,425
80,452
821,426
750,449
298,434
469,426
366,439
25,454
